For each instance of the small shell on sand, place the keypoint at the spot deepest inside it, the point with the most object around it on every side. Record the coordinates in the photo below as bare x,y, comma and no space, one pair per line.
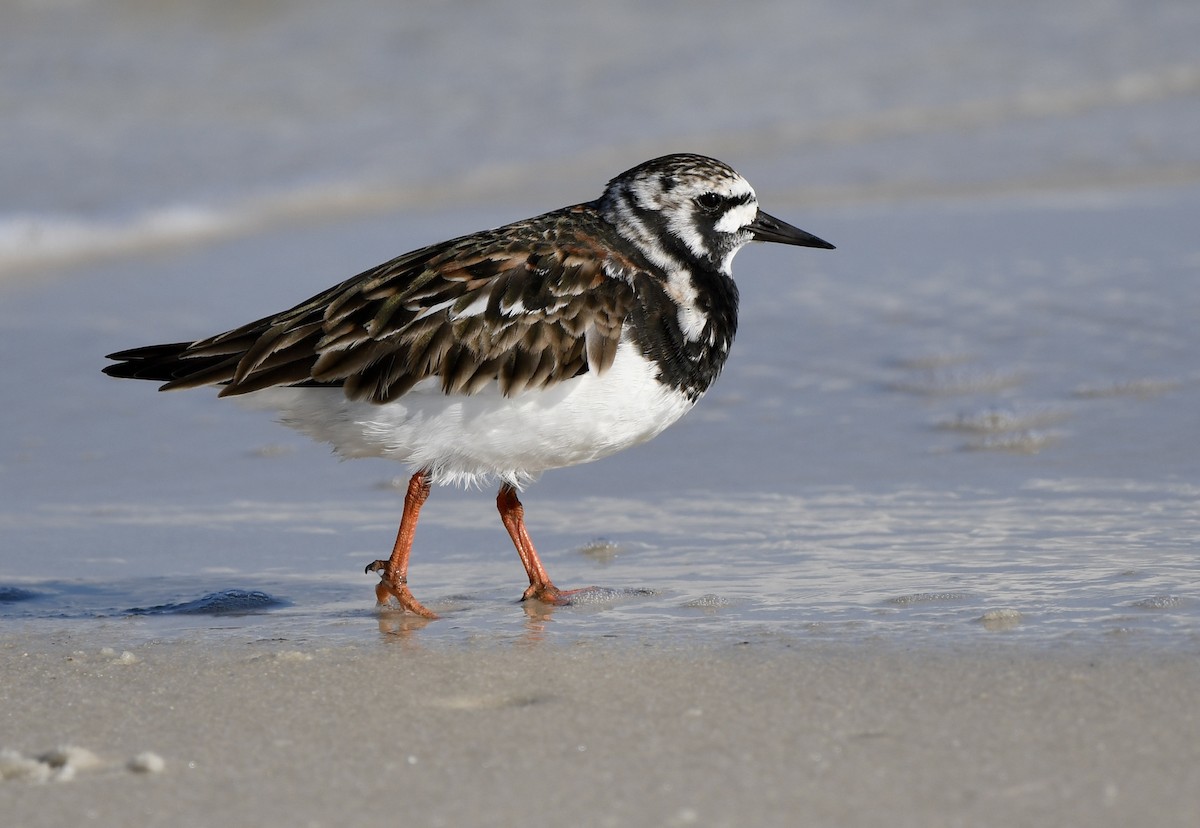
147,762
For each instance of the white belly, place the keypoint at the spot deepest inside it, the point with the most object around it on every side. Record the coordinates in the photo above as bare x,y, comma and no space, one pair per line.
469,440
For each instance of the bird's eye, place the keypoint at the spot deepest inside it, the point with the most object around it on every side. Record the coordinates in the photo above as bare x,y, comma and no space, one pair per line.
709,202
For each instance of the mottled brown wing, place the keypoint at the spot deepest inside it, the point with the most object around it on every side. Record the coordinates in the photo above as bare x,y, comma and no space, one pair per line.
527,306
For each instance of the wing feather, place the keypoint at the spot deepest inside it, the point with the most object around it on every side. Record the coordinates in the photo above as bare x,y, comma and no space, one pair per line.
524,306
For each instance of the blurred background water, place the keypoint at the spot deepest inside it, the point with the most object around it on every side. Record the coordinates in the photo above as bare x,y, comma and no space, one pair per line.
129,121
979,416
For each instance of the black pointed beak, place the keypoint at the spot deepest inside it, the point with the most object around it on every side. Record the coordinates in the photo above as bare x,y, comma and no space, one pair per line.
770,229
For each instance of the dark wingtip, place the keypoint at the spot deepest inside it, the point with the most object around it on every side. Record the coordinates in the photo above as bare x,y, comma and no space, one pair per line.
158,363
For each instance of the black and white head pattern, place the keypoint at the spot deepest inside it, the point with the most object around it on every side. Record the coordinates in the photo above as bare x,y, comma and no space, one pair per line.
683,211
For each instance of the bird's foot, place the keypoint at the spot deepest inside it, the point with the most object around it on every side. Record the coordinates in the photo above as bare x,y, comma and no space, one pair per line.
552,595
394,586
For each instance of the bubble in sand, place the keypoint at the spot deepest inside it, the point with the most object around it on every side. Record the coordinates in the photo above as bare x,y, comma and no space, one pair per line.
1150,387
600,550
993,420
957,380
124,657
928,598
1159,602
293,655
1000,619
1025,441
709,602
596,595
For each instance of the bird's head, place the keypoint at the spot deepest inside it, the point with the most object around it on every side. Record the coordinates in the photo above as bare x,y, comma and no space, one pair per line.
692,209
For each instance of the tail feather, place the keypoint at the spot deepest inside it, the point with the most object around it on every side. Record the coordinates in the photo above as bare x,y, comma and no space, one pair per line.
171,364
183,365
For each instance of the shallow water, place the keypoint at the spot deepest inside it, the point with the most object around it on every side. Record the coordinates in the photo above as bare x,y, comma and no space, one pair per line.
941,437
837,565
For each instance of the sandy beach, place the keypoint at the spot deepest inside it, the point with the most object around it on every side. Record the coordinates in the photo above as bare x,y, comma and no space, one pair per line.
600,733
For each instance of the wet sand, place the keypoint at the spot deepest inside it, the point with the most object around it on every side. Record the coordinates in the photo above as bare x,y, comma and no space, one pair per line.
782,732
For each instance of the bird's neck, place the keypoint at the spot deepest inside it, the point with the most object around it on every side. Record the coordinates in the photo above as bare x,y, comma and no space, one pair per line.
685,323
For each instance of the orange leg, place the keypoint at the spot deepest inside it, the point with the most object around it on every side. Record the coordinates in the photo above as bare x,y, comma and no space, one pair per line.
393,573
513,515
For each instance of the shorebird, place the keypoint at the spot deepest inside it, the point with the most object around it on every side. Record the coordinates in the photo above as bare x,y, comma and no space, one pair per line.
496,356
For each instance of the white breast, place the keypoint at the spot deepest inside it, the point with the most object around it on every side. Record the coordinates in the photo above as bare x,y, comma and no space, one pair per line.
470,440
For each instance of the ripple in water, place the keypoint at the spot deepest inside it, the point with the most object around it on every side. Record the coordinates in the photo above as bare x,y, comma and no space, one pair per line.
12,595
225,602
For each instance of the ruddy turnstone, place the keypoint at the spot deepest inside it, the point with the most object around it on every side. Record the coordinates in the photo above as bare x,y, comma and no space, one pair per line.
545,343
